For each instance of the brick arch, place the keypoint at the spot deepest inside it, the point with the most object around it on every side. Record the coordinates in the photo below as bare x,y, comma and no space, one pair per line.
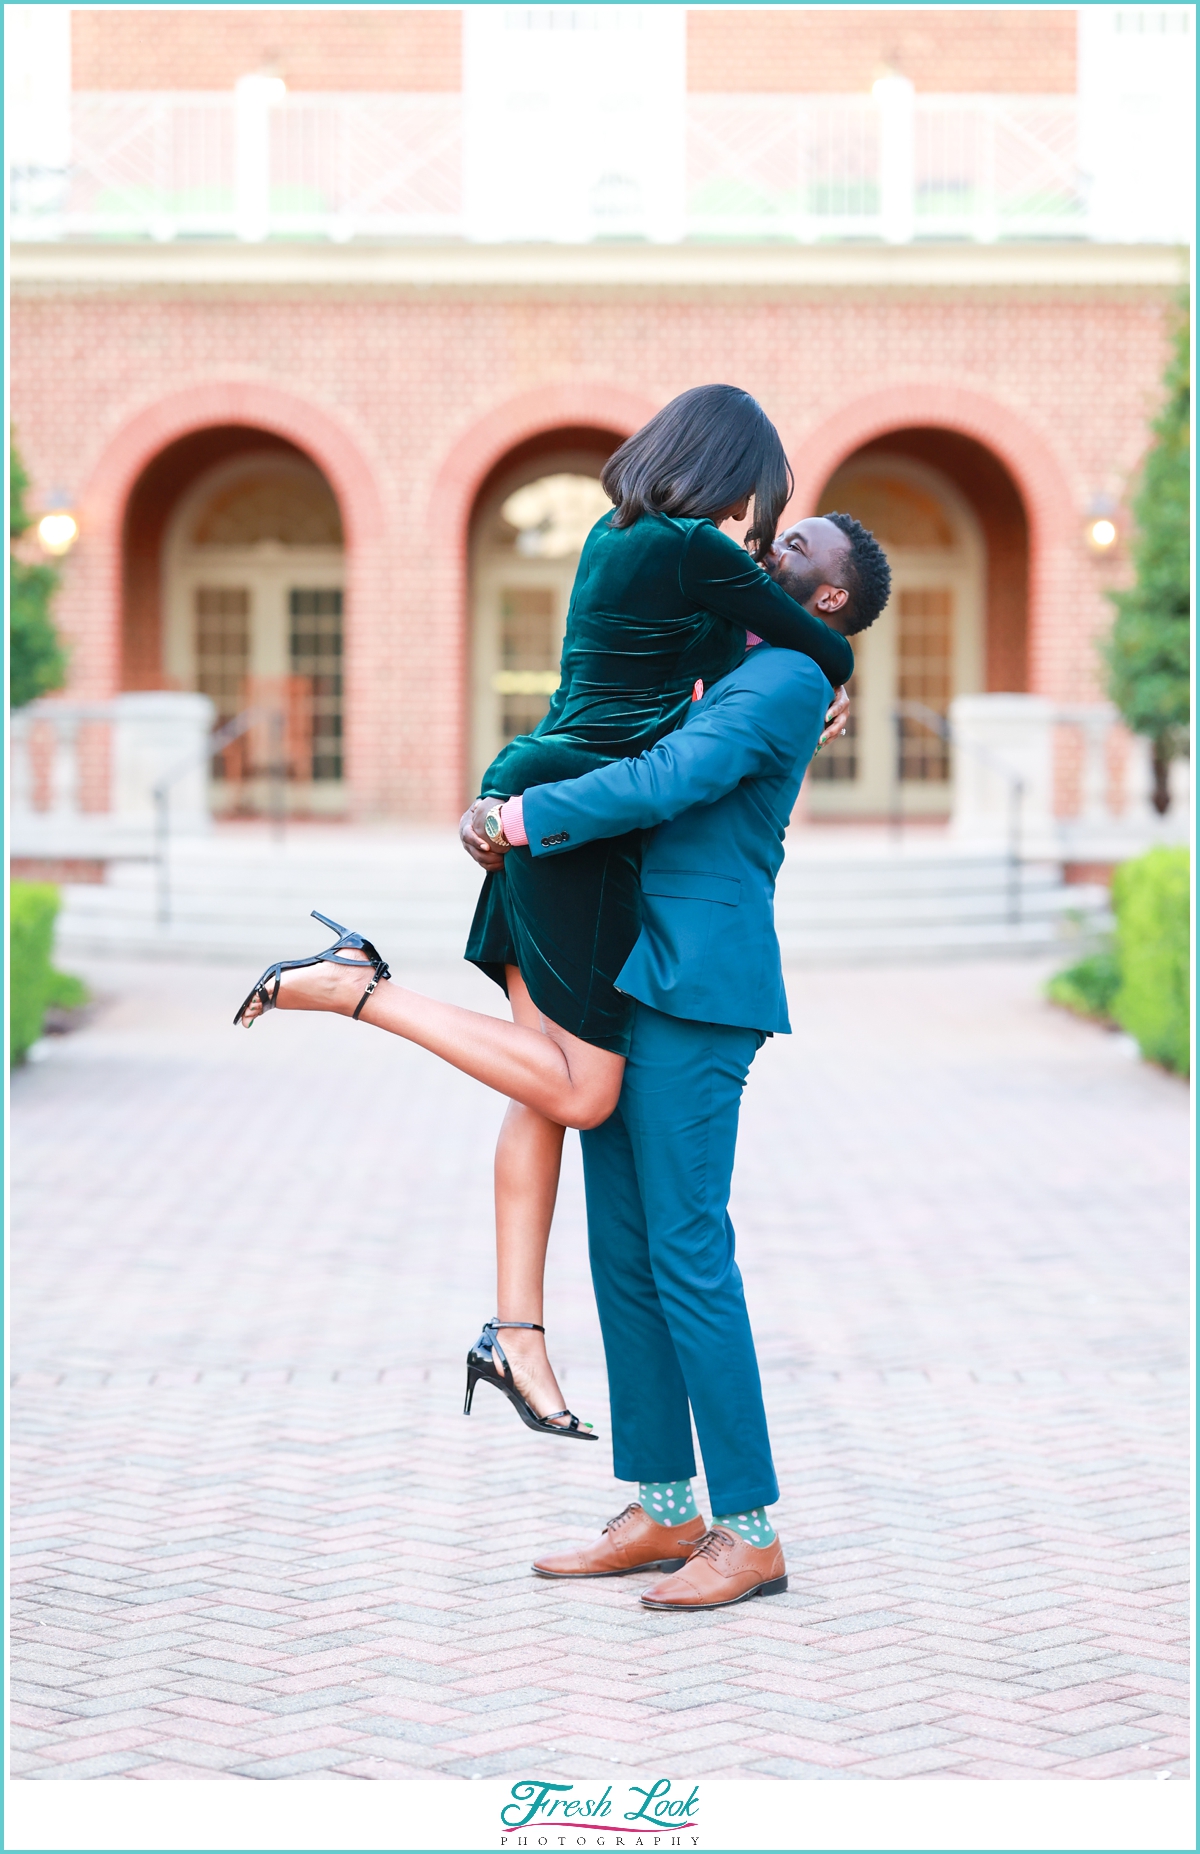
94,614
568,405
1038,475
475,456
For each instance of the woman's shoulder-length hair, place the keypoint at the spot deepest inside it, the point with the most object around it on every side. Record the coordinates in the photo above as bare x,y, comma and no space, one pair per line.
704,453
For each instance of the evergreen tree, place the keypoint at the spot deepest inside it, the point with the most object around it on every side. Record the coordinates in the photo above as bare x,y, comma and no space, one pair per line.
1148,651
36,659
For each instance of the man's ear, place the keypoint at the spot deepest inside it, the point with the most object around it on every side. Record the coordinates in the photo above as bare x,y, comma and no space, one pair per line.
828,599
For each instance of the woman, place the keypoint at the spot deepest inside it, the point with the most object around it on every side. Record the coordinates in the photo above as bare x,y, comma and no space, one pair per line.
662,603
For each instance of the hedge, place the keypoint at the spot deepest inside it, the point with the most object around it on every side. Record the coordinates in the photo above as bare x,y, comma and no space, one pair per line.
32,909
1152,903
1142,981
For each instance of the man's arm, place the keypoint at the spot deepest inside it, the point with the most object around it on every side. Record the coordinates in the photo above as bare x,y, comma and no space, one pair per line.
744,734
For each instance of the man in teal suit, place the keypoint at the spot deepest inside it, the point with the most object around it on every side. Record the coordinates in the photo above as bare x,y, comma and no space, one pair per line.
717,796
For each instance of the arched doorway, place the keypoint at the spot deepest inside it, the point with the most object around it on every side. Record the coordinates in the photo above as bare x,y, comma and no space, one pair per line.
530,521
235,587
954,529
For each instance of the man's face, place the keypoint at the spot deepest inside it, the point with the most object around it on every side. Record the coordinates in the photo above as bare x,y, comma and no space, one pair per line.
808,560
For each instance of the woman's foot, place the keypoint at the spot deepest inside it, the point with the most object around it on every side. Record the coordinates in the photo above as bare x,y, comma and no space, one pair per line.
324,987
532,1372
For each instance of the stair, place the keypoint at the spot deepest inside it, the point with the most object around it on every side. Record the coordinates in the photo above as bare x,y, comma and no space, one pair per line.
240,895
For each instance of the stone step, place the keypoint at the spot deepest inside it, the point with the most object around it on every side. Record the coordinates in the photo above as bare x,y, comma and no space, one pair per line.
240,895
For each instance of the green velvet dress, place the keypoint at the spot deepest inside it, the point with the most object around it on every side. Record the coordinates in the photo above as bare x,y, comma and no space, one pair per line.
655,608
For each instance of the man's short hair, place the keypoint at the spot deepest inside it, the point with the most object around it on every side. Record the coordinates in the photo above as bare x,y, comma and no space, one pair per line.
868,573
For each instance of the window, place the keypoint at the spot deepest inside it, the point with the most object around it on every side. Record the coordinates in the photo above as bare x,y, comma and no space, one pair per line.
925,642
838,759
222,616
529,654
315,717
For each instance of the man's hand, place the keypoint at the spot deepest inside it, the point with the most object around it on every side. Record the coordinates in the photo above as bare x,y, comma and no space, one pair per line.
470,835
835,720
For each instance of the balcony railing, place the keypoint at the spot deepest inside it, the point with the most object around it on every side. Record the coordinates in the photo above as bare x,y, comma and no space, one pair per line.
257,164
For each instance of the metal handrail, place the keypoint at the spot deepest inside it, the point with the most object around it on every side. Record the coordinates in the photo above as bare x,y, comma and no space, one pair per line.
220,738
945,729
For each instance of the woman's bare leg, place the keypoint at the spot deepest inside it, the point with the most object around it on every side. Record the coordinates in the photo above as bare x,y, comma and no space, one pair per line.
557,1074
528,1159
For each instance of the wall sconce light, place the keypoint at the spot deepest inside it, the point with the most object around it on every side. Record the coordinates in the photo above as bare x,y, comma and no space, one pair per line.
1100,530
58,531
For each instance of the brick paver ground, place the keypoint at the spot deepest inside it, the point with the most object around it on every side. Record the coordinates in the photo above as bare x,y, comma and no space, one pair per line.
256,1538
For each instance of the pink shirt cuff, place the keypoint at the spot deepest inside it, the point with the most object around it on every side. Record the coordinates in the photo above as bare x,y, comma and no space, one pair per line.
512,822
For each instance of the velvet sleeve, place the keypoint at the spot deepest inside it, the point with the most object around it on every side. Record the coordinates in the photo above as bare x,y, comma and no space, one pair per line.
719,576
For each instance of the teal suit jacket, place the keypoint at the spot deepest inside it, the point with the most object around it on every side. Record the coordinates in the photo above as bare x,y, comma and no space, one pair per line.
717,795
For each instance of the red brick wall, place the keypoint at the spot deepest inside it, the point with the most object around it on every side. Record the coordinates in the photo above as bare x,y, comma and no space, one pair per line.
387,48
321,48
421,386
846,48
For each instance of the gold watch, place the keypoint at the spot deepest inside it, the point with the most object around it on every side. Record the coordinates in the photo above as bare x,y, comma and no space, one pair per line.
493,829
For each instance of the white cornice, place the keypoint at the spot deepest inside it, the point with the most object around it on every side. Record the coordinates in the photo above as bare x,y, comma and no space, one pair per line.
599,267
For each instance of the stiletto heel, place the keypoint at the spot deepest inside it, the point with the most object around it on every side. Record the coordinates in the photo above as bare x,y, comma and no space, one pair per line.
268,999
481,1369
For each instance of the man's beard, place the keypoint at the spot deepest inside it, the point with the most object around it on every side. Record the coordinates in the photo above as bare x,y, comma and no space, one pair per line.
799,585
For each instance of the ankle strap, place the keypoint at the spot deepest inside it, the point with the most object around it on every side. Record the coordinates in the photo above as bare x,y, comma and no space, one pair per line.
527,1326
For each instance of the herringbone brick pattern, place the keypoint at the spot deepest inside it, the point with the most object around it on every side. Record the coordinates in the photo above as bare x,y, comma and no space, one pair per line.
256,1538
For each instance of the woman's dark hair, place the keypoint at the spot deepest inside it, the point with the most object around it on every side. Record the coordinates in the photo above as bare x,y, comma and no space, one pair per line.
704,452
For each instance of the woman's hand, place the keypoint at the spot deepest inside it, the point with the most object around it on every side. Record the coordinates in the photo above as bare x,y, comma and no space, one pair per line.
835,720
471,836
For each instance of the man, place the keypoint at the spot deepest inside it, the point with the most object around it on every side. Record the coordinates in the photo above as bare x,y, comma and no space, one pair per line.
705,971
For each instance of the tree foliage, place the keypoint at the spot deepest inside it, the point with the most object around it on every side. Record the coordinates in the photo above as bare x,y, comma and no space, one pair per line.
37,662
1148,651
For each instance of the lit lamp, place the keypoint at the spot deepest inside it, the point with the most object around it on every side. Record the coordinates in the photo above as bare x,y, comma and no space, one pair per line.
1101,528
58,531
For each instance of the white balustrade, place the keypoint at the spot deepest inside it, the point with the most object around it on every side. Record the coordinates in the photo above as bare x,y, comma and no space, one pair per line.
134,742
255,163
1001,737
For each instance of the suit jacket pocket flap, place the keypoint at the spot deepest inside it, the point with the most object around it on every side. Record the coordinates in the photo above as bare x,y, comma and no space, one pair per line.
692,885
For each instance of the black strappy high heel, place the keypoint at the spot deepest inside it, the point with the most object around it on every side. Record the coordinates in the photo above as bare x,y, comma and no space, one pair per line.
268,999
481,1369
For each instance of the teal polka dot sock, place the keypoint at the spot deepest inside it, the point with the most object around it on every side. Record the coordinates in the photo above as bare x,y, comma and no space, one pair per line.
752,1524
670,1502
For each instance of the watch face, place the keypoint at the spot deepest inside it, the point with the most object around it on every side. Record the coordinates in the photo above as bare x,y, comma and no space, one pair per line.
491,825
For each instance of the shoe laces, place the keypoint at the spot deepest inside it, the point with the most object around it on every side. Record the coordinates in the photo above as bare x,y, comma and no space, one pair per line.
712,1544
620,1518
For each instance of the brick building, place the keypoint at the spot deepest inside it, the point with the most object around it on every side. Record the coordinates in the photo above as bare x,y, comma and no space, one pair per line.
326,325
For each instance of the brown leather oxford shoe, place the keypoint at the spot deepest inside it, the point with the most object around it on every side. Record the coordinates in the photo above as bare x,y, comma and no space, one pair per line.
630,1542
722,1569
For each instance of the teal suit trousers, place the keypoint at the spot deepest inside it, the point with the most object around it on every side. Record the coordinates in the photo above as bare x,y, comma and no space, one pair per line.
677,1337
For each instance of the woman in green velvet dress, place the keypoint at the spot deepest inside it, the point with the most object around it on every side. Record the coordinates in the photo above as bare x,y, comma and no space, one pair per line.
662,602
661,605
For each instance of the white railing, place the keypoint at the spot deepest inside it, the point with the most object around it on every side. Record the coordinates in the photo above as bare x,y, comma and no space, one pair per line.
85,775
260,163
164,165
1086,785
894,166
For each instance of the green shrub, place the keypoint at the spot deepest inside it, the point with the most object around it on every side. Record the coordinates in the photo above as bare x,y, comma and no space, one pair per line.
33,906
1088,987
1152,903
36,662
66,992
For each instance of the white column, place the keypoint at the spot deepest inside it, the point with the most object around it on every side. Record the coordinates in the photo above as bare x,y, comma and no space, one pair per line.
999,738
64,767
895,98
573,122
253,97
161,735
